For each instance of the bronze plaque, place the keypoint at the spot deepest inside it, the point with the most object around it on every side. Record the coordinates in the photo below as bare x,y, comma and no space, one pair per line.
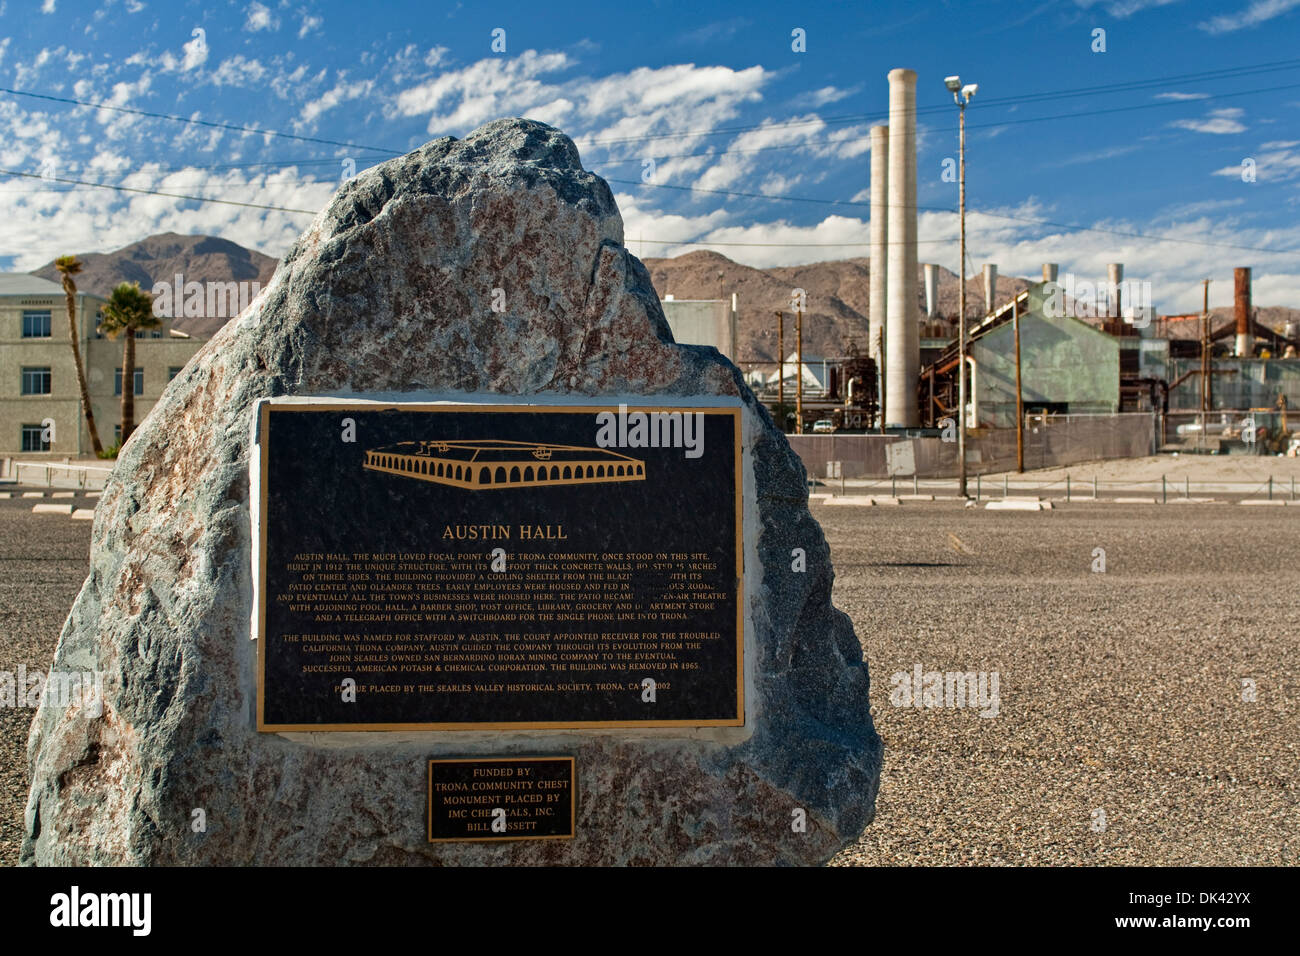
501,798
478,567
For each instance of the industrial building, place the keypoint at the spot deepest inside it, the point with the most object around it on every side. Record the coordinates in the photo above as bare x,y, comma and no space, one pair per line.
1066,365
703,322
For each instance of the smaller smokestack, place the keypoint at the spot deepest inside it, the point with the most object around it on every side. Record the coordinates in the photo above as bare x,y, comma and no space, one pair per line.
990,287
931,290
1115,275
1241,310
1049,271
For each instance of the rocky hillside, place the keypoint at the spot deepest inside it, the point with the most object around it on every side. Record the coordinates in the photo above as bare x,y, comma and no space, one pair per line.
159,258
838,295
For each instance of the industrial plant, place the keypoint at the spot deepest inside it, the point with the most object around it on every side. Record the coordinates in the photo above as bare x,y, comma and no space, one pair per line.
1086,363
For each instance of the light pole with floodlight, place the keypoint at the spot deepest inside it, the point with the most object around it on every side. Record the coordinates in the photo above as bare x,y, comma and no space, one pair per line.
961,95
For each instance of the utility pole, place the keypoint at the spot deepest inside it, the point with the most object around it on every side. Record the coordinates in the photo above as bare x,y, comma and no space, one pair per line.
1020,403
780,374
798,386
1205,359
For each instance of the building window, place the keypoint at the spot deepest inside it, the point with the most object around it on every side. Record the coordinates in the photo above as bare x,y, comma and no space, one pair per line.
36,381
139,381
34,438
173,371
36,325
117,434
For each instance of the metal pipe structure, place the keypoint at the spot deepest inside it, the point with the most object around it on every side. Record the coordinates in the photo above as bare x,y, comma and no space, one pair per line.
1115,276
1205,361
1049,271
798,386
879,275
974,392
902,336
1020,402
931,290
990,287
1241,312
780,369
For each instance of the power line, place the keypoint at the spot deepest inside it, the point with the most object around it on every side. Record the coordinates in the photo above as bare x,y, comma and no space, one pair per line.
1041,222
1216,74
1140,106
1016,122
195,122
1127,86
683,242
154,192
732,192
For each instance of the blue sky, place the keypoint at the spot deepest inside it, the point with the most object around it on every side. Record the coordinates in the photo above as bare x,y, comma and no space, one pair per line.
1146,136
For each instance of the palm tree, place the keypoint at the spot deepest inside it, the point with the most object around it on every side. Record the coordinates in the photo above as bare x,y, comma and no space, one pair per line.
128,310
68,267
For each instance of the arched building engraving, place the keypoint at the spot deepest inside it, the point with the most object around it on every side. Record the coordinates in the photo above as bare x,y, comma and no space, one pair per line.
494,464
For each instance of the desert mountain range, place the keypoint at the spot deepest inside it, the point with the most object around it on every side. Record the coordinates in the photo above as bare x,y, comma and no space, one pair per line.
837,291
159,258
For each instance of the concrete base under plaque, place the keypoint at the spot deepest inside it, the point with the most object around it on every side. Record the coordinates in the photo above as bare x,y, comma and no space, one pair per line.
390,294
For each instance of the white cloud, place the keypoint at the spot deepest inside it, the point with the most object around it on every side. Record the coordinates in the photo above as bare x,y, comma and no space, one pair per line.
47,6
827,94
1123,9
134,6
260,18
1218,122
310,24
609,118
237,71
24,73
1258,12
488,89
1002,236
332,98
196,51
1181,96
101,220
1272,165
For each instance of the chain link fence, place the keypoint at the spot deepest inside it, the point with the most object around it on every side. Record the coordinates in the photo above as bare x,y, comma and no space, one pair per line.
1050,440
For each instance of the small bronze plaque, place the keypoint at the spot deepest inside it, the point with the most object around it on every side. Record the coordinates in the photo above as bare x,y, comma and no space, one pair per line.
501,798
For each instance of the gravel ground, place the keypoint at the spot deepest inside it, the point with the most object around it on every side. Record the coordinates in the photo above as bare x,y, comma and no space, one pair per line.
1247,469
43,561
1118,692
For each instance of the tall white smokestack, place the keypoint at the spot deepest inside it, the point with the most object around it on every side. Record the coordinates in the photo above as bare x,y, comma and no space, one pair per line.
903,343
990,287
931,290
1115,276
879,240
1049,271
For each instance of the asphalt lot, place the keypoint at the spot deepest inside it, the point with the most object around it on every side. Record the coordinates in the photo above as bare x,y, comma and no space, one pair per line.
1121,735
43,562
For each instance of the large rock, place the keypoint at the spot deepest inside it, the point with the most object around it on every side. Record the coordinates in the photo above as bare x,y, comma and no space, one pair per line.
390,291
